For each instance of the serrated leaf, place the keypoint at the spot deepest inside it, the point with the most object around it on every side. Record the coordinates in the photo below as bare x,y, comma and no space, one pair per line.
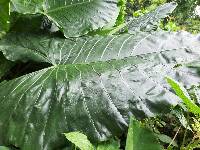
93,86
80,140
141,138
79,17
179,114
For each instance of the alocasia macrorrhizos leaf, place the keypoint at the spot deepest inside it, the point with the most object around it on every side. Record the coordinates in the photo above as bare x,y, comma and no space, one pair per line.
149,21
54,50
75,17
27,6
93,86
4,15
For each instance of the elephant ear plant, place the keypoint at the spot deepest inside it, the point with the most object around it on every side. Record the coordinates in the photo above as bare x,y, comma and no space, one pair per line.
92,84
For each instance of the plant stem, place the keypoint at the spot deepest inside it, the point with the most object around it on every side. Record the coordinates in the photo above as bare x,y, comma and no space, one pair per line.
174,137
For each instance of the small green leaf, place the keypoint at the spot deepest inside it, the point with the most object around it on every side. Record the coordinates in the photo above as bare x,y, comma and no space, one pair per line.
109,145
140,138
166,139
80,140
183,94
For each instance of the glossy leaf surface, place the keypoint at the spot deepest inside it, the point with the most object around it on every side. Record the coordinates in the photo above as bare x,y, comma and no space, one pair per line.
79,17
149,21
93,86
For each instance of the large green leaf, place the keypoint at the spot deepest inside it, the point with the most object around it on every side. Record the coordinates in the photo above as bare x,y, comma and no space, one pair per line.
79,17
27,6
149,21
141,138
4,15
93,86
92,49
